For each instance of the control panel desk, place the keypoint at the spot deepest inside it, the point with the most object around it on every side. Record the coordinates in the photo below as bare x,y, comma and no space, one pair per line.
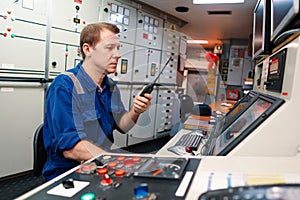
210,173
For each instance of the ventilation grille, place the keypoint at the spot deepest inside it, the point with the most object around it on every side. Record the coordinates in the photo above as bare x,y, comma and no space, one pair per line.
220,12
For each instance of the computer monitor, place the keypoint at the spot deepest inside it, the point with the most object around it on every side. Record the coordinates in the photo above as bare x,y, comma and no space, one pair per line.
284,16
222,123
261,44
247,122
239,108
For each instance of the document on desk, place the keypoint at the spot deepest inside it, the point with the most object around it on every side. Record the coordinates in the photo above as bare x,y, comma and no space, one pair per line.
59,190
222,180
191,123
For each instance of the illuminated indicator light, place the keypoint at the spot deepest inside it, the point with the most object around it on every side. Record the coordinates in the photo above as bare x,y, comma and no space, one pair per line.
145,35
120,172
128,162
4,34
9,12
88,196
83,22
13,19
120,158
102,171
5,16
285,93
141,191
66,54
67,49
106,180
136,159
76,20
12,35
8,29
112,164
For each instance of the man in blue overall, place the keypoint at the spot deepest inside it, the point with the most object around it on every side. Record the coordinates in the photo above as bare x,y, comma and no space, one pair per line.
83,105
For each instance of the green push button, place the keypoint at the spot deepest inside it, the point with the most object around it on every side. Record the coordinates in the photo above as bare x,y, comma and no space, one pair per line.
88,196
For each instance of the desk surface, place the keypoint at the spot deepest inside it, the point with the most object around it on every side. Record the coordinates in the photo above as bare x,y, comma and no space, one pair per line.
222,106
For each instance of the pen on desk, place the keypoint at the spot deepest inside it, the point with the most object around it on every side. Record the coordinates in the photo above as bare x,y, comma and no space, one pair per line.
157,172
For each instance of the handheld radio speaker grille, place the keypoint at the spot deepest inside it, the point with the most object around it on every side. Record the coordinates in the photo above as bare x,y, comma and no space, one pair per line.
149,88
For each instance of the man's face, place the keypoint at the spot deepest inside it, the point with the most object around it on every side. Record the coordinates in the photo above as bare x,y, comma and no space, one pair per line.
106,54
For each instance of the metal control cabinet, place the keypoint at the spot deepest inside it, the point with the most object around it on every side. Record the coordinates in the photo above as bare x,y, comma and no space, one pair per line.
146,64
171,41
148,41
121,138
144,128
165,108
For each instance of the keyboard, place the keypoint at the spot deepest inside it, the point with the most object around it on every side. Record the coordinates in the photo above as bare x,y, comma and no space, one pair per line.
190,140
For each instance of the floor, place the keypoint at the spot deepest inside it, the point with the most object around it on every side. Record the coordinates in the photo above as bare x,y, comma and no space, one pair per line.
14,186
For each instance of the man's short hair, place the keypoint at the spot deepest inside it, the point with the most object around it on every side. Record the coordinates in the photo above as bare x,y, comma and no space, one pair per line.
91,34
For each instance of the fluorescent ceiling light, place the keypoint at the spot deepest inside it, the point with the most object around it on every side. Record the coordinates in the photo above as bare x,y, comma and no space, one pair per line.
217,1
197,41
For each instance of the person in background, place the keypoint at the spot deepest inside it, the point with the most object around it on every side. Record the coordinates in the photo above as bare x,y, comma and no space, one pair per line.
83,105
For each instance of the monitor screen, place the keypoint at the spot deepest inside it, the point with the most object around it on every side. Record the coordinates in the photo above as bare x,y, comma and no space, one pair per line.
252,117
261,28
238,108
283,11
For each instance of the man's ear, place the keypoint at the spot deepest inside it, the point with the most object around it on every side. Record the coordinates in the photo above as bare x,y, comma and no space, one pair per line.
86,49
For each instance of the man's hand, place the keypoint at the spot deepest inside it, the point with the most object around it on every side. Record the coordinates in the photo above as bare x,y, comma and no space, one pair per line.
141,104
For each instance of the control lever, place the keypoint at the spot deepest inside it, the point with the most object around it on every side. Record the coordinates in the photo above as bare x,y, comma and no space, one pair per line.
149,88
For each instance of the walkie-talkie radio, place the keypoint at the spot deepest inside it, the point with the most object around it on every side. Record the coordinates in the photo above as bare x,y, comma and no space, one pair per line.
149,88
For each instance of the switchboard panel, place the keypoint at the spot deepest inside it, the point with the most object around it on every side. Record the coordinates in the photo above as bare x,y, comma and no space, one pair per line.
165,106
149,30
125,64
67,20
146,64
124,16
23,25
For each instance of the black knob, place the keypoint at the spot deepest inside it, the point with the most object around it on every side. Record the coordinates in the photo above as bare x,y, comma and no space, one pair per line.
54,63
77,7
106,10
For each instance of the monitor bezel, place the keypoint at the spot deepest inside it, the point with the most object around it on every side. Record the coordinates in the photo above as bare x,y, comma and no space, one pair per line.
286,20
265,47
229,119
276,103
